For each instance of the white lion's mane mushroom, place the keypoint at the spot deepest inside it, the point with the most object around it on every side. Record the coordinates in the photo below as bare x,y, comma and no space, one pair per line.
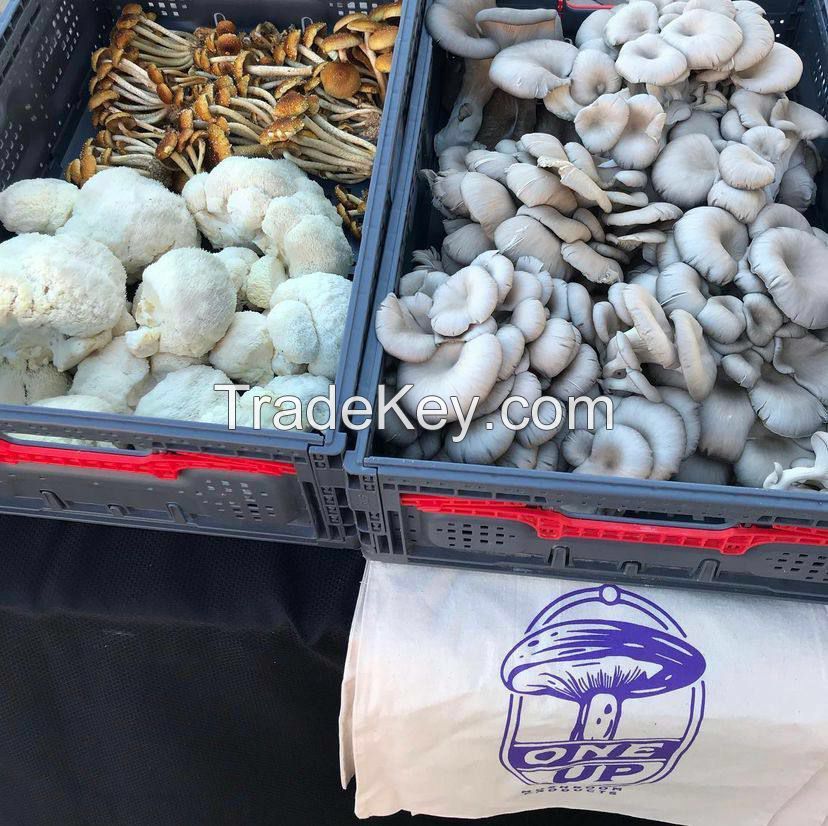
245,352
188,395
41,205
184,306
307,324
137,218
60,297
113,374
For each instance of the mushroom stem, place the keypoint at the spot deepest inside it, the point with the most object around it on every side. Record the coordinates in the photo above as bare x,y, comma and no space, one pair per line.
280,71
598,718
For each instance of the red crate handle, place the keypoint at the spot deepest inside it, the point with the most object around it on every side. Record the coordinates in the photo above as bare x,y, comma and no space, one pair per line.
550,524
159,465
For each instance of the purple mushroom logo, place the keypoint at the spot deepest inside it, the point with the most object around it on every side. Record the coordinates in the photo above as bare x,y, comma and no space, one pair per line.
599,649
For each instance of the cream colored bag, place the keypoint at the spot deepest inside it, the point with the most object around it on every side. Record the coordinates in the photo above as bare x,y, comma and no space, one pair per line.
470,695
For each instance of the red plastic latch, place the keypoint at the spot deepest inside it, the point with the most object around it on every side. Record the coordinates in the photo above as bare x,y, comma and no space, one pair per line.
550,524
159,465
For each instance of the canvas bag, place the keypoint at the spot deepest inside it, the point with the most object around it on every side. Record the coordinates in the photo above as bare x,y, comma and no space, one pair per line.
470,694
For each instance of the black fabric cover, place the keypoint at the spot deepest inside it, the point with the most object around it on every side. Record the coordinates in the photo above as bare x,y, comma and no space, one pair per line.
154,679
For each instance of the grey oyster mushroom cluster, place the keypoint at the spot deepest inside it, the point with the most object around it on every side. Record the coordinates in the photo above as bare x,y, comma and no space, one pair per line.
623,217
265,308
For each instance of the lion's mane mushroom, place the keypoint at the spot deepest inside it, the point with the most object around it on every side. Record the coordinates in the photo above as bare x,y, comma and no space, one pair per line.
187,395
137,218
307,323
184,306
60,297
115,375
41,205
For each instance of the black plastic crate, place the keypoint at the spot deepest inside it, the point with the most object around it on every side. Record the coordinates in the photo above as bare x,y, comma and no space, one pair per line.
45,47
559,524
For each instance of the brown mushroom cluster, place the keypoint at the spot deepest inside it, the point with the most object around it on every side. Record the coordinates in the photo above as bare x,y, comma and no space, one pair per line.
624,216
172,104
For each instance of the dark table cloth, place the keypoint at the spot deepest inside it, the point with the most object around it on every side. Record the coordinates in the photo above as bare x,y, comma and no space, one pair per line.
154,679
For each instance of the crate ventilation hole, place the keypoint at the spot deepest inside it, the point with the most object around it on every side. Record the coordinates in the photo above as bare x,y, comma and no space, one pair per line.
801,566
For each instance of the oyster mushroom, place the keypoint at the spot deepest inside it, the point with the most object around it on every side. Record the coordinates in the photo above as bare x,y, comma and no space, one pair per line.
792,263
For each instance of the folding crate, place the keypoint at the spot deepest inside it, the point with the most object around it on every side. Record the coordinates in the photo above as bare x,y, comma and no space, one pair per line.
560,524
167,474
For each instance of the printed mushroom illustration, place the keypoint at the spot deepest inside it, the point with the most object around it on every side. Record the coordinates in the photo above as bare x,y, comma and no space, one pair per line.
600,664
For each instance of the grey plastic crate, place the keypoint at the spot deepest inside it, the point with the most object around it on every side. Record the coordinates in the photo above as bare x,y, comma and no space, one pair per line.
45,46
504,519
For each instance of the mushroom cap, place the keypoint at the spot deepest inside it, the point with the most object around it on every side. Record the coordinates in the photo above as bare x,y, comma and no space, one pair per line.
459,370
785,407
593,74
630,21
726,417
792,264
702,470
653,213
508,26
532,69
762,451
722,318
512,345
591,264
754,109
641,139
743,368
758,38
779,71
768,142
465,244
706,39
451,23
702,123
468,297
534,186
661,426
340,79
730,127
712,241
622,451
556,347
572,660
521,236
650,59
762,318
500,268
489,163
592,27
679,287
778,215
578,377
742,204
698,366
601,124
806,359
489,202
797,188
790,116
400,335
743,168
567,229
681,401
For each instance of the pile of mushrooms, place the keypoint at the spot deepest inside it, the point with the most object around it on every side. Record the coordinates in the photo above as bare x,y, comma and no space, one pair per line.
624,217
172,104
